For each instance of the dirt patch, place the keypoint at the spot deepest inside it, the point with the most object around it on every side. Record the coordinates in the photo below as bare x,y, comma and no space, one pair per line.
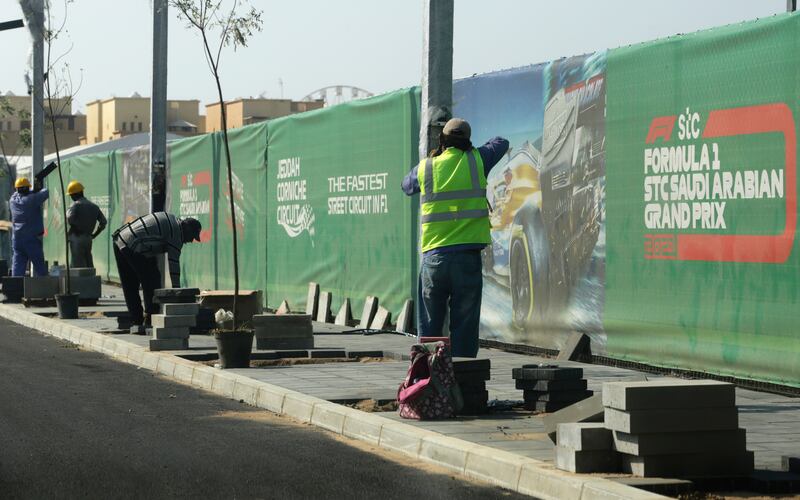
372,406
92,315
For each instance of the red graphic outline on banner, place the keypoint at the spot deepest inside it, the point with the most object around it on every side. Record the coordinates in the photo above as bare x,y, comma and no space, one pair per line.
203,179
762,119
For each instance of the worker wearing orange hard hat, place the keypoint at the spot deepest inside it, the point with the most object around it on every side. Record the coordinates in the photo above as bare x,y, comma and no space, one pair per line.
28,227
86,221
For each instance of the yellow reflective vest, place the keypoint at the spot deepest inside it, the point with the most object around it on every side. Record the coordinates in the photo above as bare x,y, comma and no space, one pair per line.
453,207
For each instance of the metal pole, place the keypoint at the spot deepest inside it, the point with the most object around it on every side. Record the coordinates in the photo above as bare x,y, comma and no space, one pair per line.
158,118
158,109
36,26
437,72
791,5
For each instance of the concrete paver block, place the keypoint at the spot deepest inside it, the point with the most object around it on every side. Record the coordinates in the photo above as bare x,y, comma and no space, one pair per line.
538,481
587,461
669,443
180,309
327,353
13,287
330,416
405,319
462,365
370,308
345,315
246,390
576,346
283,326
283,308
164,321
551,385
546,372
271,398
663,394
324,307
78,272
299,406
585,436
87,287
556,396
403,438
40,287
222,384
382,319
672,420
546,406
790,463
496,467
589,410
312,299
364,427
445,451
687,465
175,295
175,332
169,344
663,486
365,354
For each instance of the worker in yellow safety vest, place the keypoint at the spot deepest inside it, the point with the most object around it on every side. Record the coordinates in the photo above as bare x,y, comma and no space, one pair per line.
455,228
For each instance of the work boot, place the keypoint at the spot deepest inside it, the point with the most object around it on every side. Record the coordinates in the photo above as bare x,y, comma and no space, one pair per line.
147,323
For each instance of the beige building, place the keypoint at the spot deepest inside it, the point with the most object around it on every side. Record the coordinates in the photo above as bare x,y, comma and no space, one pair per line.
241,112
117,117
69,127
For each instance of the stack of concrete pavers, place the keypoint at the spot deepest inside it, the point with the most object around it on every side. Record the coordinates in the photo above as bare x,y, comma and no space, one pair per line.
39,289
586,447
548,388
677,428
84,282
13,288
471,375
283,331
171,328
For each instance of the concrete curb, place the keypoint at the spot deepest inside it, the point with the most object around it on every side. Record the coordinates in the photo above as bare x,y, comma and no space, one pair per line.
500,468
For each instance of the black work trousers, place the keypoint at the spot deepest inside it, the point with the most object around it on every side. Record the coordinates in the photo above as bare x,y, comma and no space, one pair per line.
136,270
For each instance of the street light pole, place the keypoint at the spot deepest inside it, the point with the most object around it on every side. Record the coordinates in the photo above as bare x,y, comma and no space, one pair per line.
437,72
158,109
791,5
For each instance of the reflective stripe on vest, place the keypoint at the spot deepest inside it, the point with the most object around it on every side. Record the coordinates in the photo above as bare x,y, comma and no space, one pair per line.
454,216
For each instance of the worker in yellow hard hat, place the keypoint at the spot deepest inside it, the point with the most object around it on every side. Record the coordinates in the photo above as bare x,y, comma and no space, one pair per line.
86,221
28,227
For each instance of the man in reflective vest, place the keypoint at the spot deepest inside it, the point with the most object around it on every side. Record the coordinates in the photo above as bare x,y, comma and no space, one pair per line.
455,228
28,226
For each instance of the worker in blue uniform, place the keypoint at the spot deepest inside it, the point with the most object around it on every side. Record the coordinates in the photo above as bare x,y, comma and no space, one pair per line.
28,228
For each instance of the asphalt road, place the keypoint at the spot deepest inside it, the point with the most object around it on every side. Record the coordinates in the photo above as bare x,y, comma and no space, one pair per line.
75,424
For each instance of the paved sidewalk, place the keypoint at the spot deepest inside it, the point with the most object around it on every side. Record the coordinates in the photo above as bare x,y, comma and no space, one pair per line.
772,421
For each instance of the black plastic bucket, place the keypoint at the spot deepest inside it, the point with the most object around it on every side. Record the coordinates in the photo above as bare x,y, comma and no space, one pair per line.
234,348
67,305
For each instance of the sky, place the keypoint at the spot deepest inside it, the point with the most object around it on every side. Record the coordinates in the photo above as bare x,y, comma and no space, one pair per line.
372,44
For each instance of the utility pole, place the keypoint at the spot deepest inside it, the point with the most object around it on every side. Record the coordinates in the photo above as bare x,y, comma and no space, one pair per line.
158,109
158,118
34,16
437,72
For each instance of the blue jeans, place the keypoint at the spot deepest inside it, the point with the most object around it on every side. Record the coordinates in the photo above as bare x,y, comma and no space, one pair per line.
451,280
27,249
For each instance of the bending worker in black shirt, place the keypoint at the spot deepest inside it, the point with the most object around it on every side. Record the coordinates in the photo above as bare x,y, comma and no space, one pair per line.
136,246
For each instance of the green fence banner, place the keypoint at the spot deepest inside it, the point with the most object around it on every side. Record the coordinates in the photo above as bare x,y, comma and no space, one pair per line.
337,215
702,265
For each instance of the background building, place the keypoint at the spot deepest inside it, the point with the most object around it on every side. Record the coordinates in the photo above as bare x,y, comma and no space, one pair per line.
117,117
15,125
241,112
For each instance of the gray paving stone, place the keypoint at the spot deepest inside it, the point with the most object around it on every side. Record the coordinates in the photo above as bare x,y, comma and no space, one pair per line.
164,321
345,315
40,287
169,344
405,318
690,465
312,299
79,272
586,461
555,396
672,420
791,463
326,353
551,385
382,319
324,307
292,344
175,332
576,345
368,313
180,309
669,443
548,372
546,406
589,410
283,308
87,287
664,394
283,326
585,436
